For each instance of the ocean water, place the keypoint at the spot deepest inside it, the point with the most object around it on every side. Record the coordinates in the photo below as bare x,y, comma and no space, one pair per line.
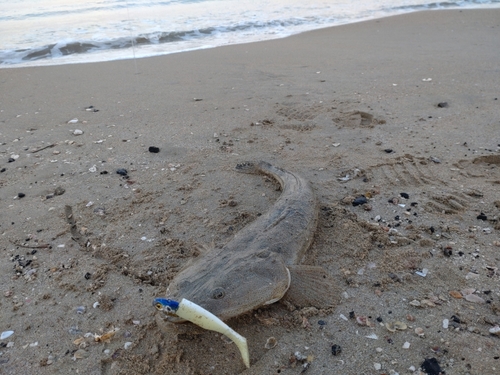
49,32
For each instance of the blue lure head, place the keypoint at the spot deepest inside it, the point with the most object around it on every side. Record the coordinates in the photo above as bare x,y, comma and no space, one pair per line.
168,306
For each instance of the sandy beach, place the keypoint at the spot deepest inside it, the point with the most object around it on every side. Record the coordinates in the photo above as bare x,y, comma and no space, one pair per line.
403,111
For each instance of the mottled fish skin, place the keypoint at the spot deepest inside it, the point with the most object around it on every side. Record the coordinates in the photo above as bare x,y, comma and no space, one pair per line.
251,269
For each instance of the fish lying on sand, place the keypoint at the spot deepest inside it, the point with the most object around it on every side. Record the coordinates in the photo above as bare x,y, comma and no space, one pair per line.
261,264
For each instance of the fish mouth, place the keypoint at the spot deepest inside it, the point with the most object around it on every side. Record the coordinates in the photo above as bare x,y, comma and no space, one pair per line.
171,318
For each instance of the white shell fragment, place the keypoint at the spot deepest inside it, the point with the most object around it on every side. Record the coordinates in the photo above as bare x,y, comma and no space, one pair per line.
422,273
77,132
73,121
6,334
446,322
127,345
406,345
495,330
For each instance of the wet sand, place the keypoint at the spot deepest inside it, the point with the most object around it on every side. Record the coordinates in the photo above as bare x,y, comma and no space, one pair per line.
406,104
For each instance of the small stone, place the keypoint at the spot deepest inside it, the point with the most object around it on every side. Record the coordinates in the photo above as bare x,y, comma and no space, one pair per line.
359,201
482,216
442,105
445,323
415,303
377,366
77,132
389,150
431,366
21,195
435,160
59,191
127,345
405,195
80,310
122,171
154,149
336,349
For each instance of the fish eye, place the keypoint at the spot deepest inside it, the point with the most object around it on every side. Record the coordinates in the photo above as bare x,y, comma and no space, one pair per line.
218,293
158,306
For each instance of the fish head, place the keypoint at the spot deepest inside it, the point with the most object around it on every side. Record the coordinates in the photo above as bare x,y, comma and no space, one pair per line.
231,284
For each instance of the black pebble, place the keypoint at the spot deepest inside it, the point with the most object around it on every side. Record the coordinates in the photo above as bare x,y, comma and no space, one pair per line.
154,149
388,150
431,366
105,172
379,319
122,171
87,275
443,105
352,315
397,217
336,349
413,204
321,322
447,252
482,217
405,195
359,201
11,160
3,170
21,195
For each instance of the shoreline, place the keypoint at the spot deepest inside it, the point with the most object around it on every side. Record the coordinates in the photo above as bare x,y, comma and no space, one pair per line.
403,110
231,44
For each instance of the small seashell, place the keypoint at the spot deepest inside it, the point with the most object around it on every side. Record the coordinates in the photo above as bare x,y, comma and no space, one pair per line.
400,326
377,366
419,332
95,305
80,309
410,318
415,303
77,132
428,303
271,343
446,322
6,334
474,298
79,340
79,354
127,345
406,345
372,336
136,322
390,327
73,121
363,321
455,294
467,291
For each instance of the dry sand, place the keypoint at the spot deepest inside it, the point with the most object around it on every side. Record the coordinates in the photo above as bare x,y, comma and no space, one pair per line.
328,105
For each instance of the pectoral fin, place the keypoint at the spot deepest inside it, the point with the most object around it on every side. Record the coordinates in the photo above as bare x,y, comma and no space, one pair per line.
312,286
